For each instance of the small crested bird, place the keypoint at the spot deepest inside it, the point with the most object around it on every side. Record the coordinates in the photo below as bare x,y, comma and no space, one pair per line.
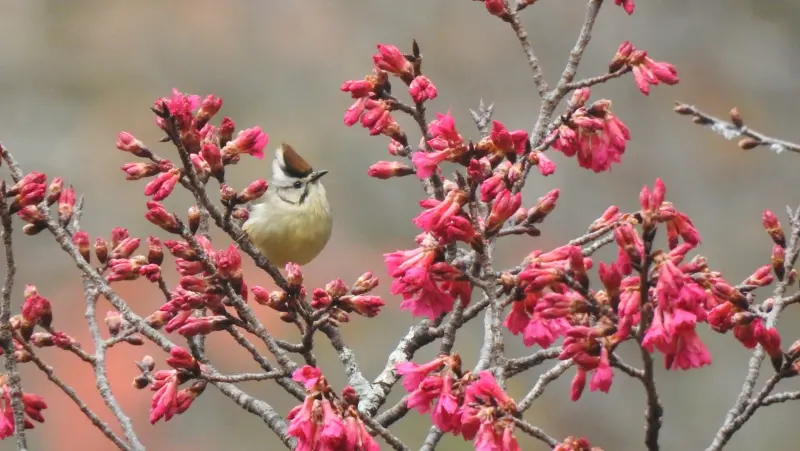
294,221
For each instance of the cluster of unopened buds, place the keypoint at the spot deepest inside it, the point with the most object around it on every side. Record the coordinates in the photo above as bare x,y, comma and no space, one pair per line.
186,121
32,193
170,399
32,404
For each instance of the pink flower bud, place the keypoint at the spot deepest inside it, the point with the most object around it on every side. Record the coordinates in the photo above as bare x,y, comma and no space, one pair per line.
81,241
35,308
496,8
208,108
390,59
250,141
181,359
213,156
158,215
101,250
773,228
125,248
365,283
54,190
388,169
294,275
155,253
163,184
136,171
320,299
422,89
337,288
128,143
118,234
505,204
543,206
369,306
203,325
253,191
628,6
229,263
113,321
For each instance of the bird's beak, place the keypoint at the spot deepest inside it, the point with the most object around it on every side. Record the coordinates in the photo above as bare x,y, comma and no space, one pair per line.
318,175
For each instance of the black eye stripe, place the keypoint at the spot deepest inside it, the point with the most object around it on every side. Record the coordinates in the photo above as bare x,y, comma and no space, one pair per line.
305,193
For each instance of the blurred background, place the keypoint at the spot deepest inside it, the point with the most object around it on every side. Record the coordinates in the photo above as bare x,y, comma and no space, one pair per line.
73,74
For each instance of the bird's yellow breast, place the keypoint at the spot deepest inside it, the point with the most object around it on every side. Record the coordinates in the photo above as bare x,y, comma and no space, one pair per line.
289,233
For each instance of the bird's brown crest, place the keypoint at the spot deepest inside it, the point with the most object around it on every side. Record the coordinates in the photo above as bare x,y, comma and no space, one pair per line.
293,163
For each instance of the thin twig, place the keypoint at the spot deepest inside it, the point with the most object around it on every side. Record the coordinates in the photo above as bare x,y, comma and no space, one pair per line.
96,421
654,412
518,365
727,431
394,413
780,397
527,48
728,130
535,432
379,429
538,389
286,382
243,377
6,331
100,374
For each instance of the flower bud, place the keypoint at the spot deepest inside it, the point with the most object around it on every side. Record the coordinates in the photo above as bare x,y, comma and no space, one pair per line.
158,215
138,171
242,214
320,298
543,207
778,260
155,252
81,241
213,156
54,190
140,382
336,288
226,193
365,283
252,192
128,143
125,248
113,322
773,228
288,317
388,169
225,132
208,108
148,363
294,275
101,250
182,359
117,235
158,319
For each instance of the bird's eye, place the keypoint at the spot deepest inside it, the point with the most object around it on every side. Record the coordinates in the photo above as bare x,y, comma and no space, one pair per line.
297,185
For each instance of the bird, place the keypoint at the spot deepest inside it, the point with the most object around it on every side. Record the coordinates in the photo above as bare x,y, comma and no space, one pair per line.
294,221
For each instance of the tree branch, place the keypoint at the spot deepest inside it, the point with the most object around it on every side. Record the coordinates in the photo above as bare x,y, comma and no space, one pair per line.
14,382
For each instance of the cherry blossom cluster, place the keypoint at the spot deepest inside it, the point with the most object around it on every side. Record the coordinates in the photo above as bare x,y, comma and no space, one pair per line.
655,293
33,405
476,408
325,420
